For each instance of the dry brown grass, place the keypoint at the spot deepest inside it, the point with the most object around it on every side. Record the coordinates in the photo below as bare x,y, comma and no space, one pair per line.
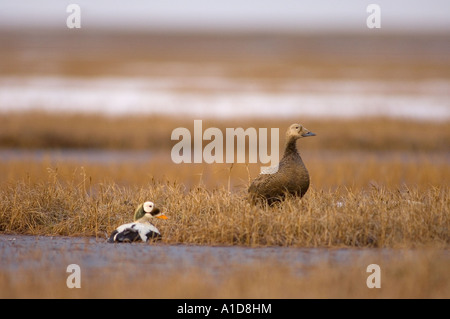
375,216
328,170
46,130
379,183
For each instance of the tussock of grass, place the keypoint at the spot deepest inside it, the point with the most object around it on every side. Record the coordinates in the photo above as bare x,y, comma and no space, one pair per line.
375,217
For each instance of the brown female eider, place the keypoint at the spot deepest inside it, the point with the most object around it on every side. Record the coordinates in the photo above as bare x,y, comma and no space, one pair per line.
292,177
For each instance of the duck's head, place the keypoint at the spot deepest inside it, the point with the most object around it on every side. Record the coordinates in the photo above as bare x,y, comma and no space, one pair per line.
296,131
148,209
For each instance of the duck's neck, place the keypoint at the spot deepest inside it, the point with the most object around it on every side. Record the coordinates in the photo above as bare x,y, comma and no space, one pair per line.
291,148
144,219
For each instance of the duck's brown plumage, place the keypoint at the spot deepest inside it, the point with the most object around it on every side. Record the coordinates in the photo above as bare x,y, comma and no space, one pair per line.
292,176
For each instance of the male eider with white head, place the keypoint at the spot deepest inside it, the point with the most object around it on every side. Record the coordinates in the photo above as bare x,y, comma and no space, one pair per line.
291,177
141,229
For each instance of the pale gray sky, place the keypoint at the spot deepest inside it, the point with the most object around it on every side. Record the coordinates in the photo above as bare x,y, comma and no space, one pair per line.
290,15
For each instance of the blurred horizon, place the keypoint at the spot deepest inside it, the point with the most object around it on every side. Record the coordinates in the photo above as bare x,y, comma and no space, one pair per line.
223,59
304,16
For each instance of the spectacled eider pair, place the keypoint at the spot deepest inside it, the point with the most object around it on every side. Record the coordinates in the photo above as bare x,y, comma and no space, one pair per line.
141,229
290,177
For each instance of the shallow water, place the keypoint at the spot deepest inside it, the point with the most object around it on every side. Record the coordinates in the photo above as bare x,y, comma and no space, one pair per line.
30,252
42,267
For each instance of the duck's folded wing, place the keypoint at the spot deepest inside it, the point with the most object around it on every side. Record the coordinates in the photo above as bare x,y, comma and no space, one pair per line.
263,184
148,231
125,233
128,235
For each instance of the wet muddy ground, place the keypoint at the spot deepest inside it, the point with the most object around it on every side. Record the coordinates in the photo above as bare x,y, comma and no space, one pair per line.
31,252
42,267
97,253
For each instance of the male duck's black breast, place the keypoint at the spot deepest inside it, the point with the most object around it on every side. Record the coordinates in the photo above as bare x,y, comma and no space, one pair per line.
151,235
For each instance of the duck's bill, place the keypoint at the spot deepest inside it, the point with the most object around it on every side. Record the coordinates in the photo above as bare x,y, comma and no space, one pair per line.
308,134
162,216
